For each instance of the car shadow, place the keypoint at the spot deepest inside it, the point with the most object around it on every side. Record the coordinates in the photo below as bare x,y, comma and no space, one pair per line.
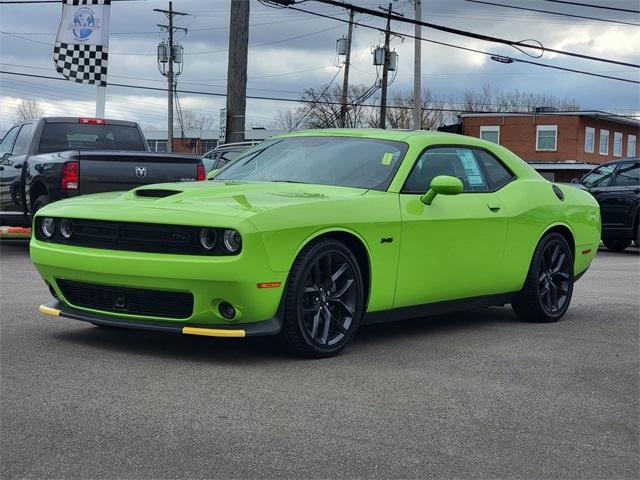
269,349
631,251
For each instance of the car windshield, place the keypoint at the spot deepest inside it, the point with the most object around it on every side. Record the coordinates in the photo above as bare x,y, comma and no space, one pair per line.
340,161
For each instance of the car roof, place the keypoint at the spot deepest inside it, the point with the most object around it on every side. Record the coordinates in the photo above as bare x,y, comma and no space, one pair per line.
620,160
376,133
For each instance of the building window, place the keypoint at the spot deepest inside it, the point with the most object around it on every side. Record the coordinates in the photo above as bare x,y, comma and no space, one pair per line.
617,144
547,138
492,134
589,139
631,146
604,142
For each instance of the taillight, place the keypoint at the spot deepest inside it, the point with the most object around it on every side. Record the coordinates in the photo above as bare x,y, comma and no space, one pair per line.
91,121
200,172
70,175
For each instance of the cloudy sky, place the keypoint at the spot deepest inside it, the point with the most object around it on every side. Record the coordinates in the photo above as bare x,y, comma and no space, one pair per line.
290,51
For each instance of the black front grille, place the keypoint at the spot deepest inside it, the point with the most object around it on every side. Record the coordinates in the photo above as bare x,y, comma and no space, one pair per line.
134,236
136,301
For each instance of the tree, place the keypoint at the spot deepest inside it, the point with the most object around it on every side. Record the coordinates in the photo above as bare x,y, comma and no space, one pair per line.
290,119
488,99
197,121
27,110
321,109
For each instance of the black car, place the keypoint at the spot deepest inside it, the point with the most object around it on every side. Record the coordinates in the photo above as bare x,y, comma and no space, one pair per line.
616,187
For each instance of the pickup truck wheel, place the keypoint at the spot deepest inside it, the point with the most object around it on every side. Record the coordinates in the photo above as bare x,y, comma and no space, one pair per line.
40,202
616,244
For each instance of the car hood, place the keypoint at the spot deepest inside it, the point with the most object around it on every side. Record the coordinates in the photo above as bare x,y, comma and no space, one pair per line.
196,201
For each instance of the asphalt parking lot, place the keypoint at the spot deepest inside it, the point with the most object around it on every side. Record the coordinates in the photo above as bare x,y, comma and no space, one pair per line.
476,394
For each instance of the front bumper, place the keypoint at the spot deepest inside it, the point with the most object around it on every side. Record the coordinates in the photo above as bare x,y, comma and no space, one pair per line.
267,327
211,280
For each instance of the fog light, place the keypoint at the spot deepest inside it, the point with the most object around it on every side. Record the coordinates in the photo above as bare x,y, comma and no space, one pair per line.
66,228
207,238
48,227
227,310
232,240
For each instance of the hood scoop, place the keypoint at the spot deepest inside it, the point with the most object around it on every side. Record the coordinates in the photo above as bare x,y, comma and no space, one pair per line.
156,192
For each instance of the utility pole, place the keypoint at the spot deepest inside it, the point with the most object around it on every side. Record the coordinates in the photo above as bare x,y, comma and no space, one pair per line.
237,70
385,69
170,77
417,68
345,80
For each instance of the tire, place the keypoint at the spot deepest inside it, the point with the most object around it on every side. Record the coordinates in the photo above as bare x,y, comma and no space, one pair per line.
616,244
324,300
548,287
40,202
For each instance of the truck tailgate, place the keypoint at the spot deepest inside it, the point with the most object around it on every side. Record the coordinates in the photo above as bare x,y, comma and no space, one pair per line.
106,171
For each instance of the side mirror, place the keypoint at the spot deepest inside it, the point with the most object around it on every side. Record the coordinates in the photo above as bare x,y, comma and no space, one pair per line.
212,174
443,185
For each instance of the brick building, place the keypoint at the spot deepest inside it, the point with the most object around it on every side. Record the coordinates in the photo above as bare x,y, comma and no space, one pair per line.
556,140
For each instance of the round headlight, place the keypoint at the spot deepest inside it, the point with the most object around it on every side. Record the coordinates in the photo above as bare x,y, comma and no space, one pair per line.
232,240
66,228
207,238
48,227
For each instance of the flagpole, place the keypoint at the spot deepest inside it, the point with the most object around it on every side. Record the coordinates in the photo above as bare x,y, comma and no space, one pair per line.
101,99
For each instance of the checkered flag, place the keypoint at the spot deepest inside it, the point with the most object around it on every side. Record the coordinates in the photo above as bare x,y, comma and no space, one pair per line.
81,63
82,45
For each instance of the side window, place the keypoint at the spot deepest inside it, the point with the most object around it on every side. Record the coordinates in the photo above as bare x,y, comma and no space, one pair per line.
457,162
628,175
497,174
7,142
600,177
22,140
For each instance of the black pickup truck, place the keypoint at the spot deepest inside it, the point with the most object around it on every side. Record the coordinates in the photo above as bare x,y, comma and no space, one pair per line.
45,160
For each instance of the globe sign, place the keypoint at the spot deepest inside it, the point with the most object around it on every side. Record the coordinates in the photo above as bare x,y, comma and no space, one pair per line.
83,24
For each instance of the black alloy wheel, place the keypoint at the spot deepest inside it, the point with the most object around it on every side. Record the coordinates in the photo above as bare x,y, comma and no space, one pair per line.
554,277
324,300
548,287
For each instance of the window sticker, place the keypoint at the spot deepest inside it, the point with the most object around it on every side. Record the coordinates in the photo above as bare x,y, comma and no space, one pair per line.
387,158
471,168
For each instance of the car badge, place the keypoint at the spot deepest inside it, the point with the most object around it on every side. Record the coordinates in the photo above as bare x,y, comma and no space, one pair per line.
141,172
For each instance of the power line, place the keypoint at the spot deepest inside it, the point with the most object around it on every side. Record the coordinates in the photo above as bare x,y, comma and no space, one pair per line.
288,39
281,99
318,99
478,36
593,6
554,13
468,49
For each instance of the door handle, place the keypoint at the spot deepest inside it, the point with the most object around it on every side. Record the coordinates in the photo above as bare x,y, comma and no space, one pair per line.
1,167
493,206
17,165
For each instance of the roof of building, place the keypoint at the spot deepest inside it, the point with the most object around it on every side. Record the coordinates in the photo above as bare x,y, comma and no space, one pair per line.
564,165
596,114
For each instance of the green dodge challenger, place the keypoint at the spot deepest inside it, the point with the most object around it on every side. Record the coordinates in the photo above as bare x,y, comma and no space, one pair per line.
311,234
